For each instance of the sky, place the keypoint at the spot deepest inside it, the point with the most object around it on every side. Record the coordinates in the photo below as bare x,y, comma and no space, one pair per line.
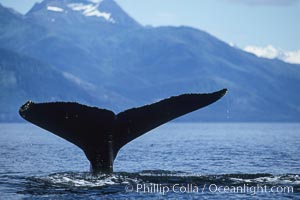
258,26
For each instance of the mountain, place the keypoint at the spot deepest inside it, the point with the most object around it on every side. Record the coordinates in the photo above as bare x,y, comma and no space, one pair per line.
97,45
23,78
273,52
80,18
15,32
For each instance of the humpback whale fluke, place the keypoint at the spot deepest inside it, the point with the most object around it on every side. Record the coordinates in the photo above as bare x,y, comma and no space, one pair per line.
100,133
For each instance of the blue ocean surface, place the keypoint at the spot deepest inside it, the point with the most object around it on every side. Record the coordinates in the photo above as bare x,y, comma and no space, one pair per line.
174,161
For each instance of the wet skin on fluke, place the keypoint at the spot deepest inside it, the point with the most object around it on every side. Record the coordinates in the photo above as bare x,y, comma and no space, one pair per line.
100,133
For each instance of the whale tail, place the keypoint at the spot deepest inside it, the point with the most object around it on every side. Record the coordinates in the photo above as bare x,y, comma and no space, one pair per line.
100,133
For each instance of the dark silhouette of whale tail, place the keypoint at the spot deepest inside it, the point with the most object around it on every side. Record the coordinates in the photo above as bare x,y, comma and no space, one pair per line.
100,133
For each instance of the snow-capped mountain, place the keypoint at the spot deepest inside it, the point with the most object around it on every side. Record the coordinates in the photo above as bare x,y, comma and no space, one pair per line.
80,11
120,64
272,52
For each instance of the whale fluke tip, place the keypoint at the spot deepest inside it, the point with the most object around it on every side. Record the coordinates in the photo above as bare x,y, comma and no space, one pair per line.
25,108
224,91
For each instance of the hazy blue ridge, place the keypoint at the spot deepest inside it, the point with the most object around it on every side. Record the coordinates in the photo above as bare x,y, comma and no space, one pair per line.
23,78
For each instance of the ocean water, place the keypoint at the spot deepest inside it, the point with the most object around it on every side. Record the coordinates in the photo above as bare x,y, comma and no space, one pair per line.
174,161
